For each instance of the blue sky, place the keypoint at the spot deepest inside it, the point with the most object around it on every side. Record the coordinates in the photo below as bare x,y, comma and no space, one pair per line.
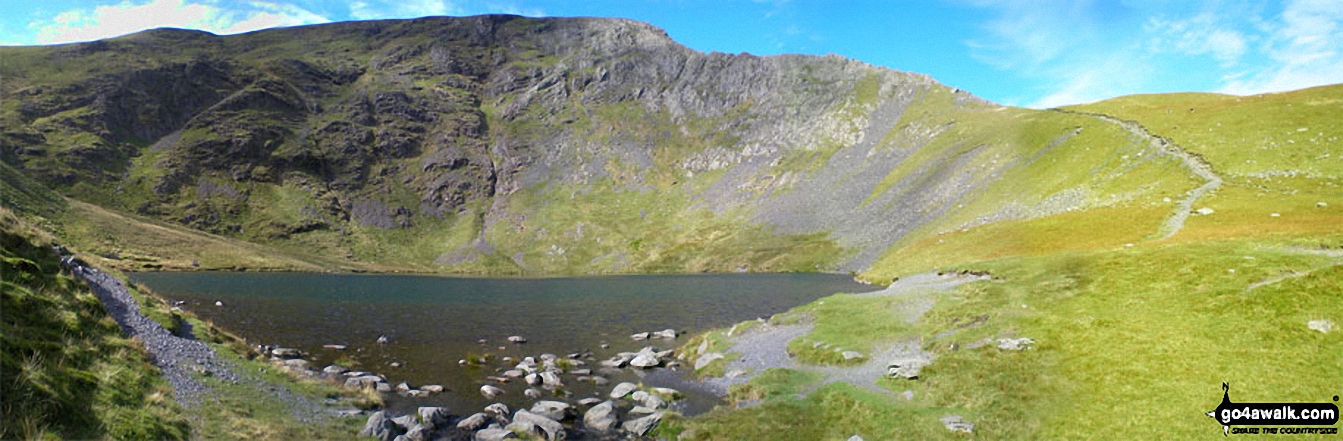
1036,53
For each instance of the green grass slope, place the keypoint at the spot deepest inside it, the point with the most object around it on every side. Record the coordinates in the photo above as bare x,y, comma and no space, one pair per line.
66,369
1135,333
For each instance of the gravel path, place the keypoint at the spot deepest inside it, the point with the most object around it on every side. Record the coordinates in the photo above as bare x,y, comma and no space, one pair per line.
182,360
1175,222
766,346
177,357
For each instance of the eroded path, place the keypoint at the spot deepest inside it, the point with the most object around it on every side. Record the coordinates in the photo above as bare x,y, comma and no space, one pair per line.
1195,164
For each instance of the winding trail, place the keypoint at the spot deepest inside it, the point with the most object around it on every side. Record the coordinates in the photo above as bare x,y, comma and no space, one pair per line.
177,357
1175,222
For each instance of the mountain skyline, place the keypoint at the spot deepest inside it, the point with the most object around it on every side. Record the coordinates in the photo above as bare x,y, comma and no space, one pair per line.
1037,54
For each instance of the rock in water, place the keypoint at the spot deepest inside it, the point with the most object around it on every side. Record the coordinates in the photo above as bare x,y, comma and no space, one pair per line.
516,339
554,410
550,379
623,389
601,418
532,393
490,391
640,336
473,422
645,361
641,426
379,426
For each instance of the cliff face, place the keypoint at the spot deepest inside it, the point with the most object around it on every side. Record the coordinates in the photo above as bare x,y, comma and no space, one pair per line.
501,143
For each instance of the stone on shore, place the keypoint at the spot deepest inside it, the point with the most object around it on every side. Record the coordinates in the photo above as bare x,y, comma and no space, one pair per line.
1320,325
623,389
601,418
473,422
433,416
379,426
705,359
641,426
495,434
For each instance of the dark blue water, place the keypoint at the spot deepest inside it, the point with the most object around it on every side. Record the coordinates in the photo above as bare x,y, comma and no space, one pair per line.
432,322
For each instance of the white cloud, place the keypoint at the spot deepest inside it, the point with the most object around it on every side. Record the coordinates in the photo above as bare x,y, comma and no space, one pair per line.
1303,47
382,9
1207,33
129,17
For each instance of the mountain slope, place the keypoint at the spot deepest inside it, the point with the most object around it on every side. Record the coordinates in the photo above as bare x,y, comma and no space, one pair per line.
505,144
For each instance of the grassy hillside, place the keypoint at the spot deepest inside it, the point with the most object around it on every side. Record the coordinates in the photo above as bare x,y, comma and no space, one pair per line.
1133,331
67,369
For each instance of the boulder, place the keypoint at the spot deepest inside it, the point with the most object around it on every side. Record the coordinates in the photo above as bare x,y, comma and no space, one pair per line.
516,339
1015,344
382,386
553,429
419,432
589,401
490,391
403,387
640,336
433,416
432,388
669,334
853,355
639,396
554,410
379,426
955,423
581,372
497,410
533,379
334,370
642,410
514,373
551,379
495,434
362,382
908,366
653,401
601,418
405,421
623,389
473,422
645,361
600,381
641,426
1204,211
1320,325
705,359
532,393
527,430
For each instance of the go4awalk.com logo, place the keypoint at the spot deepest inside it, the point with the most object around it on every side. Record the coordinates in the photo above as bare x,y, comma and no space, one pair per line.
1269,418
